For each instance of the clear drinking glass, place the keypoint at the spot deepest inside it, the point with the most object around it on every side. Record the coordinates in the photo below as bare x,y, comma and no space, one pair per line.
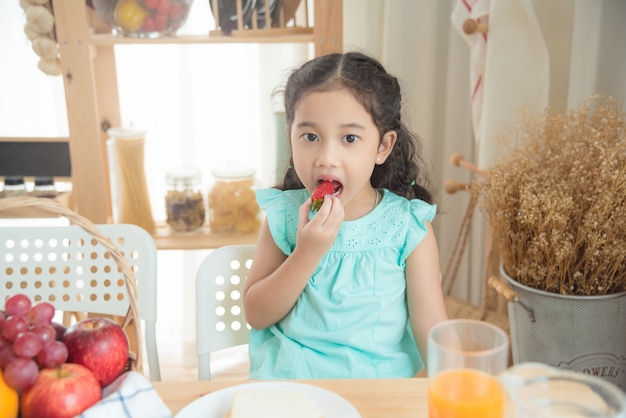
540,391
465,357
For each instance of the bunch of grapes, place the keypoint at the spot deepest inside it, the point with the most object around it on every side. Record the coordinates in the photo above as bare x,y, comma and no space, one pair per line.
29,341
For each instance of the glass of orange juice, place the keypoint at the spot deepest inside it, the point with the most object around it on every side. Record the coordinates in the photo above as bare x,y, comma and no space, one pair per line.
465,357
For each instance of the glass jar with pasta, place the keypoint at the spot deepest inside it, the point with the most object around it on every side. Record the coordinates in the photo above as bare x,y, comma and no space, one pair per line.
129,186
232,201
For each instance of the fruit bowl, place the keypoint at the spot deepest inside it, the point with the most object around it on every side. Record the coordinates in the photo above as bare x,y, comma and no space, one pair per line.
143,18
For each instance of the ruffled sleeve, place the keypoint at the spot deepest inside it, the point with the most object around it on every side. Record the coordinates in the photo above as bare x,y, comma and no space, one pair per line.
419,213
281,208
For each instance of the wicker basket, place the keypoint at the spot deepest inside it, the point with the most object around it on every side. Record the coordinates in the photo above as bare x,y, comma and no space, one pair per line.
131,321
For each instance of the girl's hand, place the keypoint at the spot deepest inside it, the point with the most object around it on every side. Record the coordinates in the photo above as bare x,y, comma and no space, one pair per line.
317,235
275,281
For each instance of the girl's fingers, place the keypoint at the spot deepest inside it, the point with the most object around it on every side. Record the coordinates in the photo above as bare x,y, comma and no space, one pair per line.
303,214
327,215
336,213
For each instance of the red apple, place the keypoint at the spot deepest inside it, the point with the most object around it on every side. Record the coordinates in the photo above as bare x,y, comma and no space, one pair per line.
62,392
101,345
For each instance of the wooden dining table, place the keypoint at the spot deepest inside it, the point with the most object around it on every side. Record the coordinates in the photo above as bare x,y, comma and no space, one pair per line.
373,398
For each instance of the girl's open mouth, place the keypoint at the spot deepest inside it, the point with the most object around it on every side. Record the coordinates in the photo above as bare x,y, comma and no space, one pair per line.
337,186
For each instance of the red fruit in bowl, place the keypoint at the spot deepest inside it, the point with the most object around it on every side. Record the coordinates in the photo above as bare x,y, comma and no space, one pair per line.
62,392
101,345
151,4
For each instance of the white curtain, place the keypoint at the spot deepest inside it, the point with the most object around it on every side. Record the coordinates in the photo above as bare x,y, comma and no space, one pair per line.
417,42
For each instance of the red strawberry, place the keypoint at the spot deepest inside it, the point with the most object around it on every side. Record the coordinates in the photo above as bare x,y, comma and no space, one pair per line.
324,188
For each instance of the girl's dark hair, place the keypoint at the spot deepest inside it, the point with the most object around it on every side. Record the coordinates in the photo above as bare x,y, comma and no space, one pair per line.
404,172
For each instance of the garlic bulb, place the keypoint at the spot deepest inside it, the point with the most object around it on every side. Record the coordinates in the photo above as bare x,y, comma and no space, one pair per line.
31,33
39,29
50,66
24,4
45,47
40,18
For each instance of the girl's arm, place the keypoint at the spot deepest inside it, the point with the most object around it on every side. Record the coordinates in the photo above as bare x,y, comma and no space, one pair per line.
424,292
275,281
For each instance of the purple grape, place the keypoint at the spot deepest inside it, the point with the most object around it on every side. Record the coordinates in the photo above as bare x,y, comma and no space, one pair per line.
18,304
41,313
14,326
60,330
45,332
27,345
21,373
6,356
52,355
4,342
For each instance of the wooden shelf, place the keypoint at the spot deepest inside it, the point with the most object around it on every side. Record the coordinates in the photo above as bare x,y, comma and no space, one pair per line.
166,239
65,198
304,36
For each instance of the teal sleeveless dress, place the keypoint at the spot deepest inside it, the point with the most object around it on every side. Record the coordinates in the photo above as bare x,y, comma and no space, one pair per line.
351,320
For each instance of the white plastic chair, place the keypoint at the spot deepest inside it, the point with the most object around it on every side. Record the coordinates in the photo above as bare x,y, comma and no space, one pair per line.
66,266
220,319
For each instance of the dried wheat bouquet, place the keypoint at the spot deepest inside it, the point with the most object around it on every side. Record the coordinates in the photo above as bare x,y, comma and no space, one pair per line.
557,202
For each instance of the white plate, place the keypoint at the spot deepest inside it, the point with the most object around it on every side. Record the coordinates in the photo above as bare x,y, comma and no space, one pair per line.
216,404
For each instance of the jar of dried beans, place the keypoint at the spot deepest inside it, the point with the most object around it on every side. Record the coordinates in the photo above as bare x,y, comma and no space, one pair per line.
183,201
232,200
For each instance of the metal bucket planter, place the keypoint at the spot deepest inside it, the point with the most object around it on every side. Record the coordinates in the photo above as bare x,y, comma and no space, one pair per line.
581,333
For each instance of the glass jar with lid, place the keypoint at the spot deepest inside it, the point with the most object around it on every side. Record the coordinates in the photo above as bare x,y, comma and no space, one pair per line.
232,200
129,186
14,186
44,187
184,203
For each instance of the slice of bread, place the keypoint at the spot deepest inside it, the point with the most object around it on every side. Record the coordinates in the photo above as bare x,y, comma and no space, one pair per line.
272,404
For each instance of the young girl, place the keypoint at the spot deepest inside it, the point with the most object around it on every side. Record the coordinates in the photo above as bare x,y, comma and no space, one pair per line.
352,289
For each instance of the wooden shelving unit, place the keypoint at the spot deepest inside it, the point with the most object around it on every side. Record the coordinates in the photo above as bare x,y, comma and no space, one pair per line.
108,39
166,240
65,198
89,72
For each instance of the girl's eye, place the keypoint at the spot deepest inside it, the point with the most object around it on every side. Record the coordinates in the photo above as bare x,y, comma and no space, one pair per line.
309,137
350,138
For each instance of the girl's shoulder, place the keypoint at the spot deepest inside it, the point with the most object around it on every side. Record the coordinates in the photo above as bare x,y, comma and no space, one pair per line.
394,206
277,197
281,208
404,221
395,223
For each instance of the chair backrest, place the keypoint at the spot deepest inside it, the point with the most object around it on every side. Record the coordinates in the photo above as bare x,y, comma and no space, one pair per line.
67,267
220,319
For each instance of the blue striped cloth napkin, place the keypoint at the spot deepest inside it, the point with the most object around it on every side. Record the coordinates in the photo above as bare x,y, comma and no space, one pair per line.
130,396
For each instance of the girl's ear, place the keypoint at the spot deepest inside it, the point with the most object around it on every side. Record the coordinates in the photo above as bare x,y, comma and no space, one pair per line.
386,145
